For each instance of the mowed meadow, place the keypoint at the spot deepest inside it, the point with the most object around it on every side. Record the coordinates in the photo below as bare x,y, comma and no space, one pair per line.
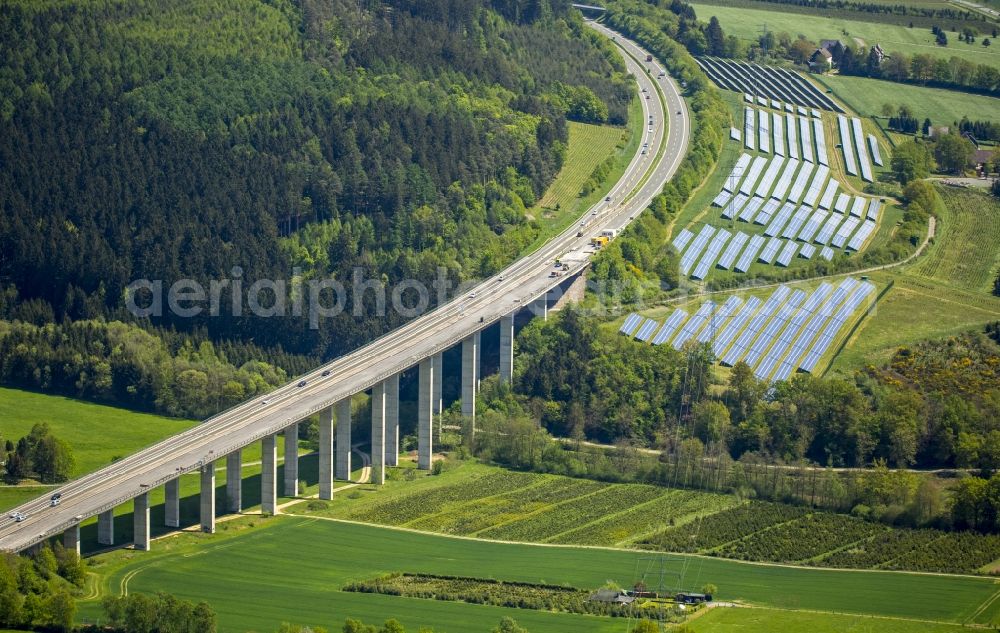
292,569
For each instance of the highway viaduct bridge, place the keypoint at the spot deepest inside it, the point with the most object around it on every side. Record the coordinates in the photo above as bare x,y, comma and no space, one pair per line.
327,390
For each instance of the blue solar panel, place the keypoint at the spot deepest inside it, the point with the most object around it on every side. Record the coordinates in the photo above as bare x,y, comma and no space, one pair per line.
874,206
798,188
861,236
845,230
830,331
807,251
646,331
734,206
718,319
669,327
631,323
859,144
767,182
770,250
789,333
711,254
778,125
779,220
721,199
805,133
683,239
876,154
831,190
816,187
753,174
812,225
750,253
787,253
858,207
732,250
787,175
693,252
821,155
767,211
750,124
694,324
763,132
829,228
750,210
826,253
791,129
798,220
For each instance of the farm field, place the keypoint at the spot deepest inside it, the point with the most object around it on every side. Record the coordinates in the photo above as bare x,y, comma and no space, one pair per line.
966,252
342,552
942,107
770,620
486,502
745,24
97,433
589,146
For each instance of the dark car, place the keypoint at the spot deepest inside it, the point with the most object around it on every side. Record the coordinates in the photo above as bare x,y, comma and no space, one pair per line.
326,372
302,383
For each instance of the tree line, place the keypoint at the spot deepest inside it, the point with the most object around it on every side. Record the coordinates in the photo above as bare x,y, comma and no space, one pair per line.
39,455
36,591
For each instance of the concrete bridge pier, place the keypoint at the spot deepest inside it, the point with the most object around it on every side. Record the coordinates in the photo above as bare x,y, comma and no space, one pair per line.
378,434
292,460
140,522
234,481
507,348
470,377
326,453
392,421
269,475
71,539
437,361
106,527
426,382
343,447
172,503
207,498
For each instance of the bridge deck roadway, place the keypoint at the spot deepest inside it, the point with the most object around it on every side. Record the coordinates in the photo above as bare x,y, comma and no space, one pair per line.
523,281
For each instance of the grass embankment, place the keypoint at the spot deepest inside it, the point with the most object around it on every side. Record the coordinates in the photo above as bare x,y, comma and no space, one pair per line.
746,23
770,620
291,569
944,292
942,107
97,433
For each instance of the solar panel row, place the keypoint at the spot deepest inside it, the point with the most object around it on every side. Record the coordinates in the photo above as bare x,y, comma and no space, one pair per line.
787,253
826,202
778,125
807,251
859,143
773,327
735,325
711,254
787,175
770,250
858,207
669,327
734,206
813,225
770,207
632,321
763,131
876,154
779,220
752,175
646,330
718,318
842,201
845,230
815,189
683,239
732,250
821,154
767,182
845,143
693,325
693,251
798,220
734,134
721,199
748,212
793,137
861,236
807,334
749,127
750,253
773,83
801,180
789,333
874,206
805,131
826,253
829,228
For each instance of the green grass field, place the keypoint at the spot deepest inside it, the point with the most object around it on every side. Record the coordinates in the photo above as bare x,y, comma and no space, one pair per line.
291,569
966,252
942,107
746,24
97,433
948,287
770,620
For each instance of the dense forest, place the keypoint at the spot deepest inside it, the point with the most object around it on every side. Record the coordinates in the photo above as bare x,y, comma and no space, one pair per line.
934,405
212,139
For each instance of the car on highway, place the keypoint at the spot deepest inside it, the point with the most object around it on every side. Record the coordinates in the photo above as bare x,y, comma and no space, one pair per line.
607,199
55,499
472,295
20,517
302,383
326,372
265,401
678,112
